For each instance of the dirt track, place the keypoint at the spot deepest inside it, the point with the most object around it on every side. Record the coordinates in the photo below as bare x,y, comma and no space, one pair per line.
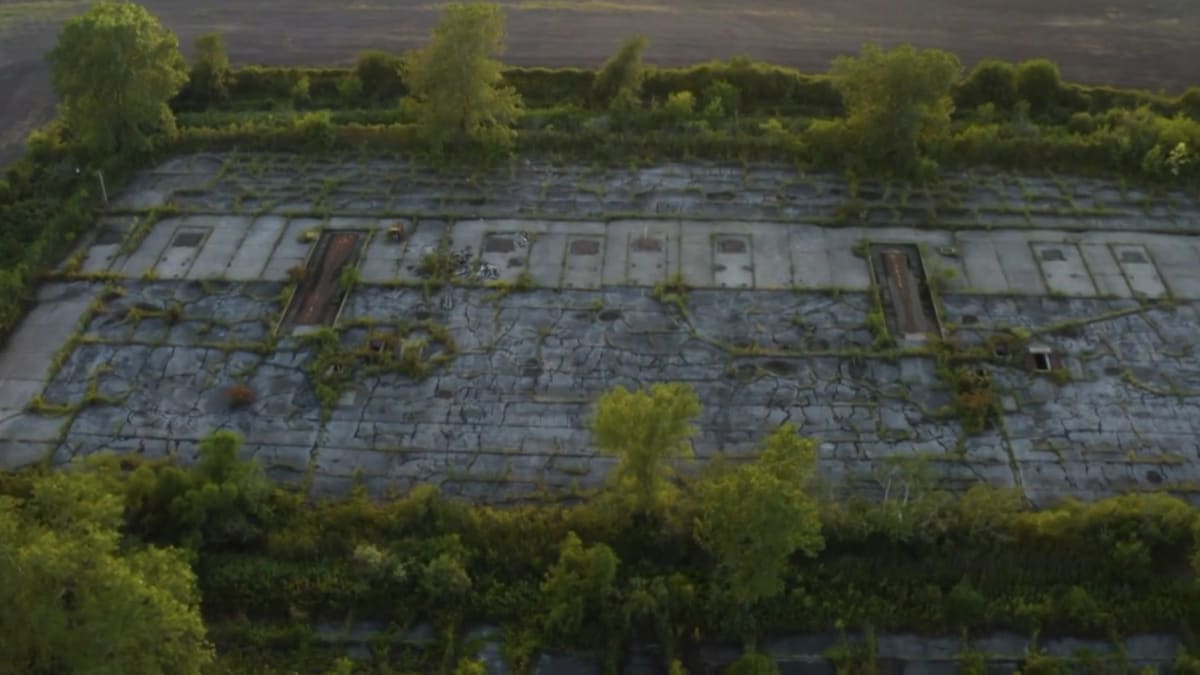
1123,42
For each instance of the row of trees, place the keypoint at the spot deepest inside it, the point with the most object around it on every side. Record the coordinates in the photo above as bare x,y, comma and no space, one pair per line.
734,551
69,574
116,68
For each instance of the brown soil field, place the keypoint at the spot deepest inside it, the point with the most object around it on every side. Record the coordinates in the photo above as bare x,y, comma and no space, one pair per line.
1142,44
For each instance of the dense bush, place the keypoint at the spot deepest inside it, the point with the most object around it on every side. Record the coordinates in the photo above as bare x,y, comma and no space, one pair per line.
380,77
933,563
1039,84
991,81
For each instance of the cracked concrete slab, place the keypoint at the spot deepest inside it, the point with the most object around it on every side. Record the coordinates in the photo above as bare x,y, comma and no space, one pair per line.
775,329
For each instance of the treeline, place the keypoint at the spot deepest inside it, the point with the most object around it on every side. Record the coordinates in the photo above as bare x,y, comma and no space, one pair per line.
377,82
736,553
902,113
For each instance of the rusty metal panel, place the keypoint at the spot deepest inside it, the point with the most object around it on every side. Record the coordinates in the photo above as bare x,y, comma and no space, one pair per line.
320,292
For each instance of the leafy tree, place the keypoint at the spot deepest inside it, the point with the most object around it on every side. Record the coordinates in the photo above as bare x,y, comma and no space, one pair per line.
991,81
219,501
115,67
379,75
579,588
722,98
456,83
754,518
965,606
898,104
644,429
73,600
209,78
622,72
679,107
1038,82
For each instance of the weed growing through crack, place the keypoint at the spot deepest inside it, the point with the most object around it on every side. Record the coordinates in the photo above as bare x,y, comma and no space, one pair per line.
413,349
672,291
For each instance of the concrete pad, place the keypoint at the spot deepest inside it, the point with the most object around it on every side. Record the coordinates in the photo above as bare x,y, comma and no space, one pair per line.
219,248
1178,263
15,394
381,261
583,261
31,347
641,253
649,259
1063,268
1106,274
1139,270
147,254
546,259
466,236
424,240
809,254
733,261
1023,274
102,250
772,263
849,271
981,263
695,253
179,255
506,254
255,250
290,251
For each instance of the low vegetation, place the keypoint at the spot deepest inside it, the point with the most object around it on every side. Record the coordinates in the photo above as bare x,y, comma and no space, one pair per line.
732,552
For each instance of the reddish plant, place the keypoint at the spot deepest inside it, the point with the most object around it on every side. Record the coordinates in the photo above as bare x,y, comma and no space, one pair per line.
239,395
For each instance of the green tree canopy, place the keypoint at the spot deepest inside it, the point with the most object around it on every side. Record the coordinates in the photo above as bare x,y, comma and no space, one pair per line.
115,67
579,589
898,104
209,77
456,83
73,600
644,429
622,72
753,518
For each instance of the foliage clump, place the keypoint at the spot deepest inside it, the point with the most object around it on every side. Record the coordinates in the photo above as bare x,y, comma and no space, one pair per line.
115,68
898,105
456,85
645,429
74,599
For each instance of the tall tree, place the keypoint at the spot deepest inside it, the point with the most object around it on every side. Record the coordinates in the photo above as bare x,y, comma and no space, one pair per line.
645,429
755,517
898,104
456,84
208,81
73,600
622,72
115,67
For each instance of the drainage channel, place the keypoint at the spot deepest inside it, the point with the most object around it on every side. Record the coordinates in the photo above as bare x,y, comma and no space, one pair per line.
321,291
907,303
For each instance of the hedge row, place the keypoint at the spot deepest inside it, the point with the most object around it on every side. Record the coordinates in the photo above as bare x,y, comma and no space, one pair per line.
1137,144
763,88
934,563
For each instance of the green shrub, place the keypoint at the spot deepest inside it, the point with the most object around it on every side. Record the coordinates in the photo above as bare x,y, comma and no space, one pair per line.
208,80
1039,83
990,81
381,75
678,109
621,72
1189,101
